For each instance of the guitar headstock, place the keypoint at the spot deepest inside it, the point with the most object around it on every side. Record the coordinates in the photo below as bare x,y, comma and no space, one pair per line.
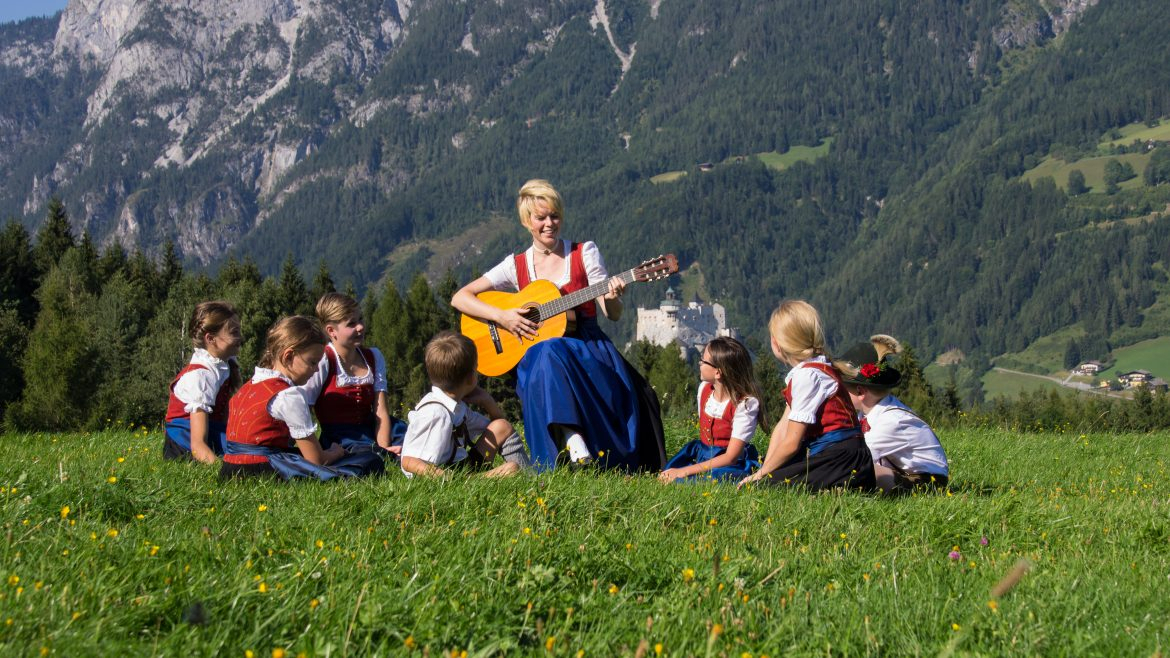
656,268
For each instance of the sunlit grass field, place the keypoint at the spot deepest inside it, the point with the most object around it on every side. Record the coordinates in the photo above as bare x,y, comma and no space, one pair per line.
109,551
1093,168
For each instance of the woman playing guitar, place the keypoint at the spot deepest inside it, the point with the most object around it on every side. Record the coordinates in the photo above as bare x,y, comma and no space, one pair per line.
579,395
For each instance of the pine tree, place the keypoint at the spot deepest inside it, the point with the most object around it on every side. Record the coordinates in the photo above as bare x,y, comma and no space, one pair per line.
54,238
387,330
233,272
18,273
58,366
674,382
322,283
171,270
423,319
141,271
14,336
449,315
293,297
1072,354
120,318
915,390
112,261
1076,183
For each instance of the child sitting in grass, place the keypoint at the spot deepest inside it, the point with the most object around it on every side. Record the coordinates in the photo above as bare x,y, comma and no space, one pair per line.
441,427
907,454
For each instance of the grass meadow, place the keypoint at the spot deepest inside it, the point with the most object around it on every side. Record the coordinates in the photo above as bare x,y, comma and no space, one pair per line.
110,551
997,383
1093,169
1152,355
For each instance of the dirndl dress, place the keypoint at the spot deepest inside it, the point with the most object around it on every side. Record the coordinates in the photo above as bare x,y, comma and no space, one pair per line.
583,382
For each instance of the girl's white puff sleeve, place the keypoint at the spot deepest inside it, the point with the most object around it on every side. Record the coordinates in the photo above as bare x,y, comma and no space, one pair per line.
290,406
743,424
198,388
594,263
810,389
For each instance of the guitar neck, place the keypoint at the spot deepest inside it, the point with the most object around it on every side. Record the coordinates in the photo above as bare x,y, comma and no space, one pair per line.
578,297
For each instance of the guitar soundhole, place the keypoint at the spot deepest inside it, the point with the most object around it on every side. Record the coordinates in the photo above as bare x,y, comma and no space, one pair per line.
532,314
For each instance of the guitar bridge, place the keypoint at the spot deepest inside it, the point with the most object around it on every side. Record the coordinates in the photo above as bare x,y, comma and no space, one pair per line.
495,334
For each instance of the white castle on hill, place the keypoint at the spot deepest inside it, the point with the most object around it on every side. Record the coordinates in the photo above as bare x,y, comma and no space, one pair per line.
690,327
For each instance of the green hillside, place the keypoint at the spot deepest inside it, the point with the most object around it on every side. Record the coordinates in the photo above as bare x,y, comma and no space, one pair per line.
1138,131
1092,168
1151,355
925,210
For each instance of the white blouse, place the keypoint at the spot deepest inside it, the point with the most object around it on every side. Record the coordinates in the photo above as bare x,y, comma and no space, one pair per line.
429,429
503,276
375,374
198,388
899,438
288,405
743,423
810,388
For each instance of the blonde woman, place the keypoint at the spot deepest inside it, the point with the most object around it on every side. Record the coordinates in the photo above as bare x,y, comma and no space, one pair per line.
583,403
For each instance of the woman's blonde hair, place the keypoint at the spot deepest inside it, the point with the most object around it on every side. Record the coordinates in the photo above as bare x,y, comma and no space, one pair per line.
297,333
335,307
797,329
210,318
535,190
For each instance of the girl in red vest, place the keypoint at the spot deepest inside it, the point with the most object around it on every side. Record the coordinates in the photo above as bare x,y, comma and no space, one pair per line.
583,403
198,409
270,429
818,441
729,409
348,392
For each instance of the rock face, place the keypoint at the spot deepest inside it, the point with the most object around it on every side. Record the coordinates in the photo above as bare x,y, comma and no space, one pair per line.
1031,23
177,79
198,120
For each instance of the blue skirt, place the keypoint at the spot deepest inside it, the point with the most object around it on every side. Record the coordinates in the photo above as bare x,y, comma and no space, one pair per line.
290,464
359,438
697,452
582,381
178,438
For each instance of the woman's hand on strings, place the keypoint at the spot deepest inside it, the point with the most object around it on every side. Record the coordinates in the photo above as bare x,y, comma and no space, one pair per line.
516,323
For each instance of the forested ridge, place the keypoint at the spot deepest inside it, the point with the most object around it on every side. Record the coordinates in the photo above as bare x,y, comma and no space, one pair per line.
916,222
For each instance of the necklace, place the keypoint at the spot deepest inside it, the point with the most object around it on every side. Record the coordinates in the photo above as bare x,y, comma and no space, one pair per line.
537,248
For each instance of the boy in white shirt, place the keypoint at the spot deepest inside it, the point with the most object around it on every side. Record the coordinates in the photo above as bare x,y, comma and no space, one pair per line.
907,454
442,430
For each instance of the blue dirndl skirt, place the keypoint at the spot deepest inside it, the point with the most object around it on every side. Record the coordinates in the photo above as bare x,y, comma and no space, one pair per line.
292,465
178,431
582,381
359,438
696,452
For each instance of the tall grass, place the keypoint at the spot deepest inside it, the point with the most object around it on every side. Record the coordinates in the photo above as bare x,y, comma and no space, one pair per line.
110,551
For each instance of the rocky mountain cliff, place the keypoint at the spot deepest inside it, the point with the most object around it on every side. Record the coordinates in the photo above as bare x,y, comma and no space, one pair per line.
165,84
184,120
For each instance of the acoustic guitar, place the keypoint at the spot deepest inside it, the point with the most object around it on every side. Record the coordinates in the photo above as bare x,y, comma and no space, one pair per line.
500,350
